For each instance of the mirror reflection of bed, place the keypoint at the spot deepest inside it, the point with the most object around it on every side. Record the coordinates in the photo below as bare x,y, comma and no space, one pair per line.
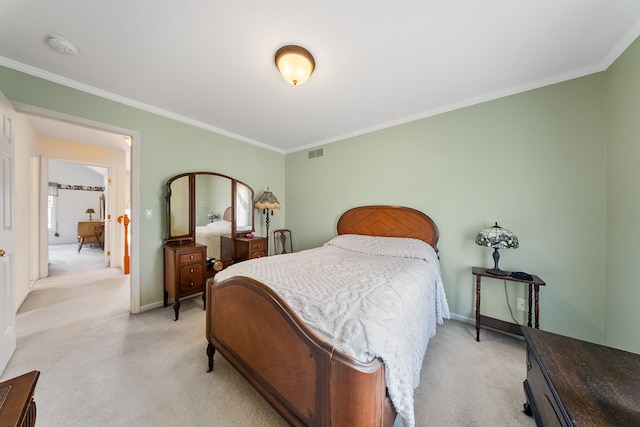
209,233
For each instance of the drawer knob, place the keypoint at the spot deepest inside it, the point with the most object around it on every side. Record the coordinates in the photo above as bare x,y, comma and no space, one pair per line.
191,271
191,257
259,245
191,284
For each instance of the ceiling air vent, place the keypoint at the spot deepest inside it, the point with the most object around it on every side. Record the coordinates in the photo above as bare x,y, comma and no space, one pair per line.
316,153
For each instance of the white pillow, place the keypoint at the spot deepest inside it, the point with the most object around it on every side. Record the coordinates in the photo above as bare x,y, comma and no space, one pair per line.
221,224
399,247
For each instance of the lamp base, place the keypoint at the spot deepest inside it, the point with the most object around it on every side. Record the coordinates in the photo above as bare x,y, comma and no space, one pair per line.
497,272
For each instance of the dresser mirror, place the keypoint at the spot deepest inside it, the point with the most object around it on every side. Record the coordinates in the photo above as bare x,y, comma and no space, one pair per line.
203,206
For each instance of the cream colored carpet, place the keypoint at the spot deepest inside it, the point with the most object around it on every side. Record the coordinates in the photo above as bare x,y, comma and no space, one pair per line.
101,366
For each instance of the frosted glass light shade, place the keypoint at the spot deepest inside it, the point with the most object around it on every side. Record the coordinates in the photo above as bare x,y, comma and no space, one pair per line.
295,63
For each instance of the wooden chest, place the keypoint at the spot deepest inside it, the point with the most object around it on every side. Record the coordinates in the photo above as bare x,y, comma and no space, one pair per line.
573,382
17,406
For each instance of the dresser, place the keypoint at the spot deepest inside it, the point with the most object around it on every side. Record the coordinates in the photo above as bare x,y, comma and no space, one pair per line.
185,272
573,382
17,407
245,248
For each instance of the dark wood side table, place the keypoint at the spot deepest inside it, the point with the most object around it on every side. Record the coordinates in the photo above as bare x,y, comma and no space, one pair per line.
17,407
573,382
534,289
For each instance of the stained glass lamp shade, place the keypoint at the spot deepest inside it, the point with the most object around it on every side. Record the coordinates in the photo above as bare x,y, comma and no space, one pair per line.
497,237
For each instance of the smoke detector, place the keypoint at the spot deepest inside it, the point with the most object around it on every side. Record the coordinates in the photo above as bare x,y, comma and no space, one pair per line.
62,45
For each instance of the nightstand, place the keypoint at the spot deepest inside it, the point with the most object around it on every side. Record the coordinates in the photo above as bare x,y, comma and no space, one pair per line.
244,248
185,271
534,289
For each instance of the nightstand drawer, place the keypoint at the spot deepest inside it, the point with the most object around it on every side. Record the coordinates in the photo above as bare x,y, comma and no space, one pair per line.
191,277
249,248
191,257
258,254
259,245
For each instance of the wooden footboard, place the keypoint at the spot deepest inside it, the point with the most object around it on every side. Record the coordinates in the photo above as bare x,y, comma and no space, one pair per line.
303,377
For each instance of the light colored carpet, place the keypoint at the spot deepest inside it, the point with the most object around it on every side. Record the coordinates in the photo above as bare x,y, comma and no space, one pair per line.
101,366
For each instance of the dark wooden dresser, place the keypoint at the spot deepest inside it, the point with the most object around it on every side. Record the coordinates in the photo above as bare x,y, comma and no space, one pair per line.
576,383
185,272
17,407
244,248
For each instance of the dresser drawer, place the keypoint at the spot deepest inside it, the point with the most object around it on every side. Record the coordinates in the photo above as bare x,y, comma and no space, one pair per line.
249,248
191,277
191,257
258,245
258,254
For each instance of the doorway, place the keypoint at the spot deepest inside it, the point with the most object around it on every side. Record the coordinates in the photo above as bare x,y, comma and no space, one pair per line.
76,216
62,138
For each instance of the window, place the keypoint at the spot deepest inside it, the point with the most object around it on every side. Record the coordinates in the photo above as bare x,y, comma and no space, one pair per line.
51,212
51,205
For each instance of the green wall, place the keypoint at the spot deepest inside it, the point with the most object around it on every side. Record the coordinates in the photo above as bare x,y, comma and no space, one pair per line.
623,201
555,165
167,147
534,162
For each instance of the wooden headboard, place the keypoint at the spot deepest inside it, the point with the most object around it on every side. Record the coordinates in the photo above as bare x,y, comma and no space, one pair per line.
389,221
227,214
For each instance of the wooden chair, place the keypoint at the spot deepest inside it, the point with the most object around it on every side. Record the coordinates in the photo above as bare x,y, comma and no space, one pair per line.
282,242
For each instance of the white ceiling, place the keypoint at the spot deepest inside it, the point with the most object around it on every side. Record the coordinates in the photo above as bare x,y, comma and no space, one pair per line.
378,63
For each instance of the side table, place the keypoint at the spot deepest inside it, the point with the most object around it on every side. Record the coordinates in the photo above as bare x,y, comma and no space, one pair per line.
534,289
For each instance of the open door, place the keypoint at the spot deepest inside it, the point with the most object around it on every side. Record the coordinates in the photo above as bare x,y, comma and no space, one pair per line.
7,215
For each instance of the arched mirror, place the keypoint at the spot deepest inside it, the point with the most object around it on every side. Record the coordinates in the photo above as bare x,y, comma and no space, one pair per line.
203,206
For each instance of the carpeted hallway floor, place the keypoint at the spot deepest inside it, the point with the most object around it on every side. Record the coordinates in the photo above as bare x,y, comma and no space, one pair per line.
102,366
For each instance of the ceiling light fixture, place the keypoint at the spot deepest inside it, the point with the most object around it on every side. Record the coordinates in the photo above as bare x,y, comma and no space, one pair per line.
295,63
62,45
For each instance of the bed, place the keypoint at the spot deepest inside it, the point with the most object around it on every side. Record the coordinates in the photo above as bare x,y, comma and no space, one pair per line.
318,359
209,234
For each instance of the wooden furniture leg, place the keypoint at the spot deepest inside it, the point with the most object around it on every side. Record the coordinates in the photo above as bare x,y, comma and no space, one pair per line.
478,308
176,308
211,351
529,314
537,305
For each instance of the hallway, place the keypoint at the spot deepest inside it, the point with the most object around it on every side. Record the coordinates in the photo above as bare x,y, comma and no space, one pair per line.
79,287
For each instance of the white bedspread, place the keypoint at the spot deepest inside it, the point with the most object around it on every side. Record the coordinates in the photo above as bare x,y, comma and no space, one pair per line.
368,296
209,235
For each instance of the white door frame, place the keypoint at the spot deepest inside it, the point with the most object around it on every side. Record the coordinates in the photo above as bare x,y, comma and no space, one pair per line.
7,233
134,190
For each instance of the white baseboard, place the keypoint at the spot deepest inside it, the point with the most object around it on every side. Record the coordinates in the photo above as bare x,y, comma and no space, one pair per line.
151,306
160,304
463,319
